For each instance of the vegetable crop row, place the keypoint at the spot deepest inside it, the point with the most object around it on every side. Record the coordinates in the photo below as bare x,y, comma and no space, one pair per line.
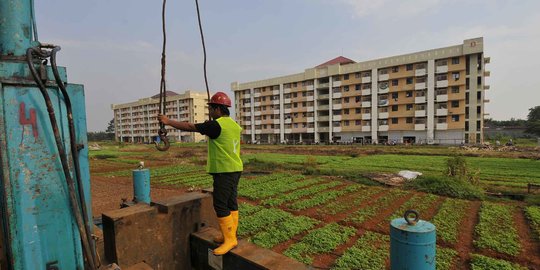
355,199
449,218
297,194
533,214
322,198
370,252
380,204
496,229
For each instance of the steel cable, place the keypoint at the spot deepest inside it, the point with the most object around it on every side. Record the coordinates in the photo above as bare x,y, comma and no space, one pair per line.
204,51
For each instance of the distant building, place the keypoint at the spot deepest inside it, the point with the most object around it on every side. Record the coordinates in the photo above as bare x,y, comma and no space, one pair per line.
136,122
433,96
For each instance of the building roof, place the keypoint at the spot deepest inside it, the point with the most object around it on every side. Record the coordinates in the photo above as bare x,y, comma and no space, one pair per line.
169,94
338,60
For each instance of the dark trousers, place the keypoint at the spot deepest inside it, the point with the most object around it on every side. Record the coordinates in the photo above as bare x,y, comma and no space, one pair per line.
225,193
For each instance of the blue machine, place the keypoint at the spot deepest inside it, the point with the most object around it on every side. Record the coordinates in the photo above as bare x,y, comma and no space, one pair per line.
41,212
412,243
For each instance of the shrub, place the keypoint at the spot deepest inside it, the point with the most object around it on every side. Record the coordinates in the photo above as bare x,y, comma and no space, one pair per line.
447,187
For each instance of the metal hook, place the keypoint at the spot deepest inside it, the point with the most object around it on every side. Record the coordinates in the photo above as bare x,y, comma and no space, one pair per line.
407,215
163,138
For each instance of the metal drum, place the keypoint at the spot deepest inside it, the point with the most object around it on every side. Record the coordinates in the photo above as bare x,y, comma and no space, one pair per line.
412,243
141,185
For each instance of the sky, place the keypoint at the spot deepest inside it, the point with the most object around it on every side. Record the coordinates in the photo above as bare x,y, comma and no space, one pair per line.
113,48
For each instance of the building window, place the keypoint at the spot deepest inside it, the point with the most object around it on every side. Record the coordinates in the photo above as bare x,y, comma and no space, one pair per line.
395,120
455,103
410,80
410,67
455,118
395,69
357,99
408,94
346,100
395,108
455,89
346,88
395,95
346,77
346,111
358,122
455,75
395,82
358,110
357,75
409,120
466,126
346,122
455,60
409,107
357,87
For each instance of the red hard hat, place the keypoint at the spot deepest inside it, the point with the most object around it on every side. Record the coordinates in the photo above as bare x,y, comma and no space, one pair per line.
221,99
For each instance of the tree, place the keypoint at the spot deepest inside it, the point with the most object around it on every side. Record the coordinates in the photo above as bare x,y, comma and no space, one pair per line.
110,127
533,121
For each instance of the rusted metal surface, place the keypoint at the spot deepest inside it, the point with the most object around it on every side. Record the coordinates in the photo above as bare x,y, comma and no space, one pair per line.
158,234
245,256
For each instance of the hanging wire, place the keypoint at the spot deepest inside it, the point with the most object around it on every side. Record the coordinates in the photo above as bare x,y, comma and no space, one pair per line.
204,50
162,133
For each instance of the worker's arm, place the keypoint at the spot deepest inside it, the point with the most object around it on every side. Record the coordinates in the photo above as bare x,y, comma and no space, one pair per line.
185,126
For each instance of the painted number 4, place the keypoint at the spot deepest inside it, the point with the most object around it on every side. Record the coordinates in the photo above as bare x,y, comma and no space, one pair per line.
28,121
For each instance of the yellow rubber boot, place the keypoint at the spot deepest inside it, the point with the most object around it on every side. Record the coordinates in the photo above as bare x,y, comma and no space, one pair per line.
227,228
219,238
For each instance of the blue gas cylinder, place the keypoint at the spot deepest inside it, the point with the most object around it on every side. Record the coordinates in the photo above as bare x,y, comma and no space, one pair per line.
412,243
141,185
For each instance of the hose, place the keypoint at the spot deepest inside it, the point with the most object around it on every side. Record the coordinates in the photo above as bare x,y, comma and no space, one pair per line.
74,202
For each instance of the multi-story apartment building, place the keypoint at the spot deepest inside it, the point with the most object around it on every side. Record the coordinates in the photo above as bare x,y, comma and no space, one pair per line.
137,122
435,97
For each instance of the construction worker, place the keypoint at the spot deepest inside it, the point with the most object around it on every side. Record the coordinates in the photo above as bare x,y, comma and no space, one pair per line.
224,164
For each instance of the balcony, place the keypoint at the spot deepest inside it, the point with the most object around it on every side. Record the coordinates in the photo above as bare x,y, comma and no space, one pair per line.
310,119
310,109
256,94
487,60
323,129
443,83
258,122
366,92
247,104
383,128
247,123
486,87
421,113
442,112
275,92
258,113
289,110
275,102
310,130
323,85
247,95
336,129
420,127
366,116
383,115
247,131
276,111
286,101
442,98
383,102
276,131
336,84
276,121
310,87
336,117
336,95
311,98
420,86
420,100
383,77
325,96
323,118
288,131
256,104
420,72
441,69
383,90
337,106
366,103
286,90
323,107
441,126
366,128
487,73
366,79
288,121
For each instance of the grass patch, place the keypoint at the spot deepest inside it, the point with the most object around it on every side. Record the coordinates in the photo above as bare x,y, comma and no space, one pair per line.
446,186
